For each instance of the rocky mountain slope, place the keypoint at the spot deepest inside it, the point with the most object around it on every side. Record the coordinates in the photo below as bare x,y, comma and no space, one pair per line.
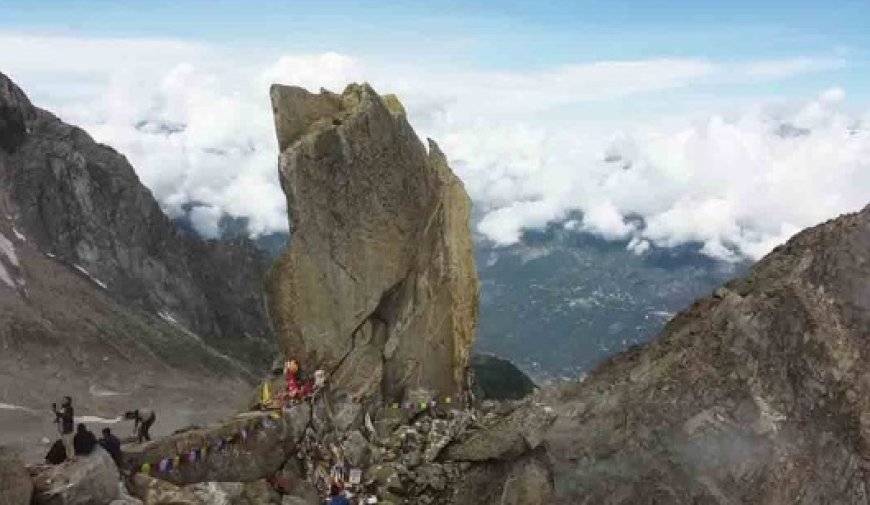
757,394
101,298
82,202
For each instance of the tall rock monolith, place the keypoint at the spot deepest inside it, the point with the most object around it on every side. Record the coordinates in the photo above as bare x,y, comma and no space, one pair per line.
378,286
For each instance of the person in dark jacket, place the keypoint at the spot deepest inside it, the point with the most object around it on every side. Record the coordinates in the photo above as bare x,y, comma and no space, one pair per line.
84,441
112,445
65,419
337,495
143,419
57,454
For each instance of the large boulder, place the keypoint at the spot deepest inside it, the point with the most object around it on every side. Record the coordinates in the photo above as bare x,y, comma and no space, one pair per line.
507,438
527,480
16,487
154,491
378,285
87,480
267,445
158,492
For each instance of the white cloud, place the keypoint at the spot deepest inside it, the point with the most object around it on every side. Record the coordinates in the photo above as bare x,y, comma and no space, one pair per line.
789,67
196,123
739,187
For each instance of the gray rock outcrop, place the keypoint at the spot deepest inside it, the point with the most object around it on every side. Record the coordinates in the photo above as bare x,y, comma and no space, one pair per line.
16,488
378,285
263,452
87,480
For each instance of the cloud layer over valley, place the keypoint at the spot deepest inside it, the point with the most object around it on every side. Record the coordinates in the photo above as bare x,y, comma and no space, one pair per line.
736,175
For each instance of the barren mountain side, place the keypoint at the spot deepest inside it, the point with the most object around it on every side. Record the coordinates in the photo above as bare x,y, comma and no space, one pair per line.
757,394
82,202
102,300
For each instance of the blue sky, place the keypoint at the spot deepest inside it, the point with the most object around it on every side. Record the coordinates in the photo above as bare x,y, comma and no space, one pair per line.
527,98
494,34
494,31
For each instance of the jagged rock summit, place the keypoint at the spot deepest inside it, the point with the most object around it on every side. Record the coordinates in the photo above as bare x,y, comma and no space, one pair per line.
758,394
378,285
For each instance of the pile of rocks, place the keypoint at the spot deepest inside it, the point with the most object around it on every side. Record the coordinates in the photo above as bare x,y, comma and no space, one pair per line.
437,455
441,455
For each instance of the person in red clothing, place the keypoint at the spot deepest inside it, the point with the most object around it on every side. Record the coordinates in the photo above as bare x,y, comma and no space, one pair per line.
291,368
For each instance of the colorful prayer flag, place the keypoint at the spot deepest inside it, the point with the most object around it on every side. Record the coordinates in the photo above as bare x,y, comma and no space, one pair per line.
146,468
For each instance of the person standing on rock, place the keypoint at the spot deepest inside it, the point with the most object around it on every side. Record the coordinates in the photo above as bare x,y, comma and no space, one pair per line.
142,421
65,419
291,369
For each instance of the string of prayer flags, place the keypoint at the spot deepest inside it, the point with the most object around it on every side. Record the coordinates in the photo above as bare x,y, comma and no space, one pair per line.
196,454
422,405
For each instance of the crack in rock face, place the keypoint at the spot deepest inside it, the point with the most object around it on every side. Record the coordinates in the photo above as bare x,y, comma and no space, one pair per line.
378,284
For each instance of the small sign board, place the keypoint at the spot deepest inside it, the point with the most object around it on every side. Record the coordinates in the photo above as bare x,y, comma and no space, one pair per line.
355,476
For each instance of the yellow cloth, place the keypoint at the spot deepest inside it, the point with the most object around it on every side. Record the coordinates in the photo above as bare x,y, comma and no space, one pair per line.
267,397
146,469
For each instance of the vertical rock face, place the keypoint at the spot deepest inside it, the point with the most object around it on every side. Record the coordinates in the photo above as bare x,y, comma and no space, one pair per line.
378,285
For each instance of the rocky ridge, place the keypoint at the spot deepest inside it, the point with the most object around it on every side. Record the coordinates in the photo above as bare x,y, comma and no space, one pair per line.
756,394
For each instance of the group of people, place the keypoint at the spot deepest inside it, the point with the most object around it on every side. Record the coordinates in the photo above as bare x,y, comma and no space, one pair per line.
298,389
83,441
